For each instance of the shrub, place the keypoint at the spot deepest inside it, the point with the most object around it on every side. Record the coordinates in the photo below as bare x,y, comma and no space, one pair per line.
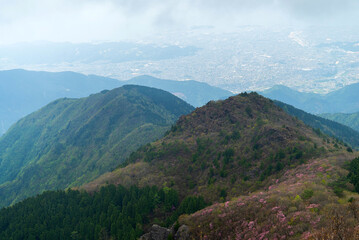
223,193
353,175
307,193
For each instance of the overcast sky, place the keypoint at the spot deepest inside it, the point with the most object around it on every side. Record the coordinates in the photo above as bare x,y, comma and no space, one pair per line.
112,20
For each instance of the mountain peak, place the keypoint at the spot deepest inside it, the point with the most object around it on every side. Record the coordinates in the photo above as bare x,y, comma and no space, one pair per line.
225,146
72,141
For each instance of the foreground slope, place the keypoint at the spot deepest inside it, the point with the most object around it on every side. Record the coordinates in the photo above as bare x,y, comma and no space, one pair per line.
307,202
71,141
223,149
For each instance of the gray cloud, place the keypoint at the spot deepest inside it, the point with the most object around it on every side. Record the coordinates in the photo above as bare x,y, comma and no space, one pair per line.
91,20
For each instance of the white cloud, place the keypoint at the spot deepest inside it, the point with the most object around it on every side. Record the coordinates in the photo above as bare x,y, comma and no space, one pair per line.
92,20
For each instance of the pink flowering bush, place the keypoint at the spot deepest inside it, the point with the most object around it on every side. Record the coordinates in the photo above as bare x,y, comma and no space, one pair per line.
298,205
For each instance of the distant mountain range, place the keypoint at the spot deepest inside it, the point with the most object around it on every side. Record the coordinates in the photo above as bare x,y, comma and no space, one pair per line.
22,92
195,93
332,127
344,100
71,141
348,119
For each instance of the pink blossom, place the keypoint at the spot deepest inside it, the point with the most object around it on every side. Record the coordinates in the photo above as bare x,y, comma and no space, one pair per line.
251,225
313,206
226,204
320,169
275,208
315,221
276,181
204,212
262,235
299,175
306,235
281,216
240,204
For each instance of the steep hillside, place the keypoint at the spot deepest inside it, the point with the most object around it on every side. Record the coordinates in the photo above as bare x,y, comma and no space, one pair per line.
226,148
332,128
193,92
344,100
22,92
72,141
312,201
348,119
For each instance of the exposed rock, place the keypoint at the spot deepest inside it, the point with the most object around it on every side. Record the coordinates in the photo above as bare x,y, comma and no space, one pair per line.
182,233
146,236
156,233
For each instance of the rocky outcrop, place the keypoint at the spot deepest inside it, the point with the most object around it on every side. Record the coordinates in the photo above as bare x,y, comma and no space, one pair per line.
156,233
182,233
160,233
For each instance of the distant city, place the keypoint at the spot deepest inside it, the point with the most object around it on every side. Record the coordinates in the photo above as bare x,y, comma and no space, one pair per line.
252,58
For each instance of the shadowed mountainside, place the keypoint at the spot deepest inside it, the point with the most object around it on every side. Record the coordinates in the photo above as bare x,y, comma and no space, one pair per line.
72,141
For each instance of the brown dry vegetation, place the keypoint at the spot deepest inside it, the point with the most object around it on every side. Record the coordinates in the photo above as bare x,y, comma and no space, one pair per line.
246,146
224,149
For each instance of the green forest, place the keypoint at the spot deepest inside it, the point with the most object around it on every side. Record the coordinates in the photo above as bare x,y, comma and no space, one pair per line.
113,212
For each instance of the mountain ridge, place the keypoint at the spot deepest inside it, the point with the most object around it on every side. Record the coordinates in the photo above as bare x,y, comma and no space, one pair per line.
221,144
348,119
330,127
71,141
22,91
344,100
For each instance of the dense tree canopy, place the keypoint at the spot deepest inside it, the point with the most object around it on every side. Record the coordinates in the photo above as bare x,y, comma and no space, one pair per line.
116,212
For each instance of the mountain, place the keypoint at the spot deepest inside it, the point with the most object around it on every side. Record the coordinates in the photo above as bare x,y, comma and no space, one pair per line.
348,119
223,149
344,100
267,174
331,128
72,141
195,93
23,92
